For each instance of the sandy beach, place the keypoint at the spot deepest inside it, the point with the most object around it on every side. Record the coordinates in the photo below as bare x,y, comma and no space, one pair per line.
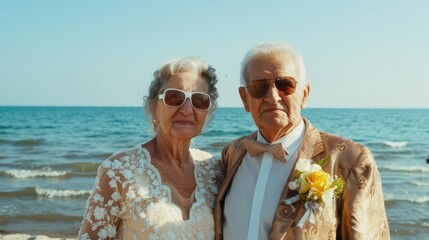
29,237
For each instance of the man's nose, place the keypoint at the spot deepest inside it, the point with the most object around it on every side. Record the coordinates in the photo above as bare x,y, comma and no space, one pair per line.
187,108
273,93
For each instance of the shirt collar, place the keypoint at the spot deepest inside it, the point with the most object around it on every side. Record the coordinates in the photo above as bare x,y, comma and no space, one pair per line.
288,139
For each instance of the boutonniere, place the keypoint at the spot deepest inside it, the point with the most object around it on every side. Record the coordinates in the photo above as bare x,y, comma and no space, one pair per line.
315,188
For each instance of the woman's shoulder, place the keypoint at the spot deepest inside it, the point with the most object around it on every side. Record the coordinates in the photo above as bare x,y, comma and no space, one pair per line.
126,158
200,155
205,159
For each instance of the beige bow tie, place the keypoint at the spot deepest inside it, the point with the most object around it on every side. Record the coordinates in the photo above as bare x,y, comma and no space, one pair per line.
255,148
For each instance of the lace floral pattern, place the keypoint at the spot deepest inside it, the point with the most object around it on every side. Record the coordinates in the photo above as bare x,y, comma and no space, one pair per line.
129,200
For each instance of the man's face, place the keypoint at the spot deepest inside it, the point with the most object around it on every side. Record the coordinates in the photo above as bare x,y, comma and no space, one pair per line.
276,113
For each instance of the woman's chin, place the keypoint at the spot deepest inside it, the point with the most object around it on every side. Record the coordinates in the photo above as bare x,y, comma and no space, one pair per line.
185,133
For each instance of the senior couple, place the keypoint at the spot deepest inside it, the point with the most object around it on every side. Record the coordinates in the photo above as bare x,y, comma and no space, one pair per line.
286,180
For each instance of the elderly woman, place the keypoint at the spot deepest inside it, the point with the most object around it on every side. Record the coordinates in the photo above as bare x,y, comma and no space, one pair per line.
162,189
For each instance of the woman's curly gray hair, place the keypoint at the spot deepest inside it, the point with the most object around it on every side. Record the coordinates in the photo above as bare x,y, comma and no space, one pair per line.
176,66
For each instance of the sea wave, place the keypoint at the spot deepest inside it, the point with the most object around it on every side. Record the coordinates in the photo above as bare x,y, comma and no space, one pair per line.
418,169
413,199
23,142
25,192
35,173
45,192
420,184
395,144
29,142
55,193
48,127
82,166
42,217
101,156
219,144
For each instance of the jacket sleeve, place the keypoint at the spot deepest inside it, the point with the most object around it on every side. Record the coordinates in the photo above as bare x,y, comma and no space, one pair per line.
224,160
363,214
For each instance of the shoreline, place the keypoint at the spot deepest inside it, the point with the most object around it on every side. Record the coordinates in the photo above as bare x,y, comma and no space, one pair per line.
24,236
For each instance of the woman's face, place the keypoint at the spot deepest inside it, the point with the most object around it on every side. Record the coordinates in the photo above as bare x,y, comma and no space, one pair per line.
184,122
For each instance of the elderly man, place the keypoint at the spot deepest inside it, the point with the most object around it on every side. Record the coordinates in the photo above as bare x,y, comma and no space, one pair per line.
261,196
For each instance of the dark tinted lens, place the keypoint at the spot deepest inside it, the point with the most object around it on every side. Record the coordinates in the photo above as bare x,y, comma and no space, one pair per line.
174,98
200,101
286,85
258,88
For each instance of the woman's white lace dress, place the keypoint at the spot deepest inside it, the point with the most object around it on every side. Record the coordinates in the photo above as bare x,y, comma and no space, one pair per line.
130,201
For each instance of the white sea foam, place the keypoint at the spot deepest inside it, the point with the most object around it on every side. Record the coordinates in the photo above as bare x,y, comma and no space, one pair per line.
396,144
35,173
52,193
420,184
414,199
420,169
23,236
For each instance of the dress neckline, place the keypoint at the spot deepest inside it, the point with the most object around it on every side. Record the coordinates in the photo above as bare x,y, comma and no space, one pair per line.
148,162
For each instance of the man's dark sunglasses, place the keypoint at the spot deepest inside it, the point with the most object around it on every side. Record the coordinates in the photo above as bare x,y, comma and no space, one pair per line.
259,88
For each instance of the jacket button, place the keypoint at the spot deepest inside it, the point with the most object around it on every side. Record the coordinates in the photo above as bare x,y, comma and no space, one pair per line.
286,211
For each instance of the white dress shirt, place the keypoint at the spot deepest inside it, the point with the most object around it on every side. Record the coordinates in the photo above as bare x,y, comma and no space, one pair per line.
255,191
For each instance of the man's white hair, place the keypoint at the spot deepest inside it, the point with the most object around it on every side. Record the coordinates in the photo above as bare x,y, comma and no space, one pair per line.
272,49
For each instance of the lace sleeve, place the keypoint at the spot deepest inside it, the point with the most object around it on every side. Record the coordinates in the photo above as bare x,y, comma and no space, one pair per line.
103,207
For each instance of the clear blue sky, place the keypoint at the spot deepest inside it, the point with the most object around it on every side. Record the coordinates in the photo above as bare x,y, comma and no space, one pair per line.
103,53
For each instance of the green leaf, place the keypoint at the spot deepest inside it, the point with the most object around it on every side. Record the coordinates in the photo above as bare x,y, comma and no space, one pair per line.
323,161
339,184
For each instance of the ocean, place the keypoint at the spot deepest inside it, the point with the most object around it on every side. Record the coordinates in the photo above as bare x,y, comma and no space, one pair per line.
49,157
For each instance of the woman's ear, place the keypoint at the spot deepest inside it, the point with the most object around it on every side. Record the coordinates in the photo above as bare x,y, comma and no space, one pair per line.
152,107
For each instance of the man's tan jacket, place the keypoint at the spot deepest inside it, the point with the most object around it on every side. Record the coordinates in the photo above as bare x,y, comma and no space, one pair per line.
359,213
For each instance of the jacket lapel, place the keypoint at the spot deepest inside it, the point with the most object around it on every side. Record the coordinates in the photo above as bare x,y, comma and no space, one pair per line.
285,216
234,162
231,166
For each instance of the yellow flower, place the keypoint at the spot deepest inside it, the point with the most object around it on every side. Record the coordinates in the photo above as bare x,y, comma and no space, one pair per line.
320,182
317,181
315,187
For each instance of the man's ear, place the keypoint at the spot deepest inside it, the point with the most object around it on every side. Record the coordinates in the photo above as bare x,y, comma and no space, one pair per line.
243,95
306,93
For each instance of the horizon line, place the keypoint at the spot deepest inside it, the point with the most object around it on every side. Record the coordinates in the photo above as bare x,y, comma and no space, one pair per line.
95,106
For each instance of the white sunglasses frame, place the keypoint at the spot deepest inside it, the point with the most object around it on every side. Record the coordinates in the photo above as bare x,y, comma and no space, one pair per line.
188,95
